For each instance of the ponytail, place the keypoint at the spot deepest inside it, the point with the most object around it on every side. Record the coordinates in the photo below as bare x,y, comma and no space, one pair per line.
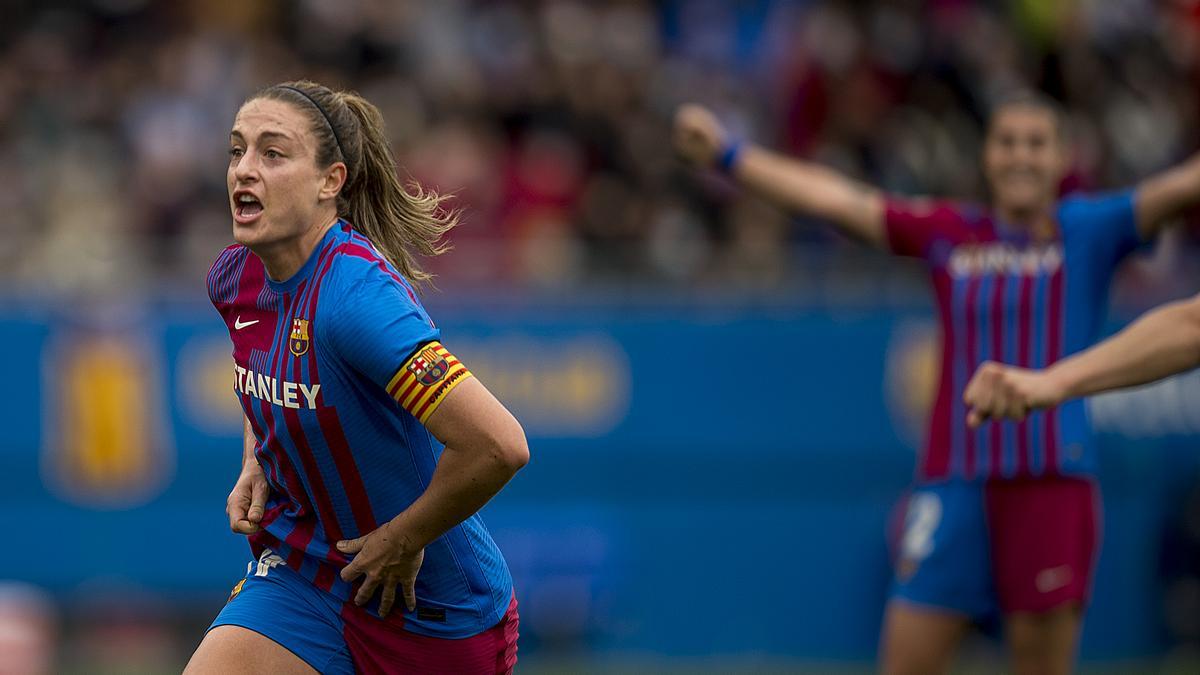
401,222
398,221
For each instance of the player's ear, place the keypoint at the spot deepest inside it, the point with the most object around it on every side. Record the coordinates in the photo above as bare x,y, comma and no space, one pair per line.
335,179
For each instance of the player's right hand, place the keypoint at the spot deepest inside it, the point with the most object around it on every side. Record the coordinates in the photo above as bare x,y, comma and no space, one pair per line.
247,501
997,391
699,137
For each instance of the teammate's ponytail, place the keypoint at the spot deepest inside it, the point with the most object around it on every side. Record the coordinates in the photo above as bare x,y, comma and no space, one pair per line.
402,223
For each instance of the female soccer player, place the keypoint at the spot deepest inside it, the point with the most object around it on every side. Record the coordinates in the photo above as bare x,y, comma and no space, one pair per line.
1002,517
373,446
1163,342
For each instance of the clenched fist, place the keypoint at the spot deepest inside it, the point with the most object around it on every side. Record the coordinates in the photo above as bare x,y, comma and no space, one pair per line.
699,138
1002,392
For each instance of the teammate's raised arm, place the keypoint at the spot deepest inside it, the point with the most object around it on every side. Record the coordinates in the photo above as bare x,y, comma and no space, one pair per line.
1164,195
795,185
1163,342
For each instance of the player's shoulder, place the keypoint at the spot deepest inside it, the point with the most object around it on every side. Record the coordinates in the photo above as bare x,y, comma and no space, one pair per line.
1079,206
356,273
356,261
223,275
937,209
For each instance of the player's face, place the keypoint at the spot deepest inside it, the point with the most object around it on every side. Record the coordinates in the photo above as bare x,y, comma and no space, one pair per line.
273,179
1024,158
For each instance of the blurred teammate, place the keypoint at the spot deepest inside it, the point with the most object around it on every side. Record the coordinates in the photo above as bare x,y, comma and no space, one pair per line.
1163,342
1002,518
372,446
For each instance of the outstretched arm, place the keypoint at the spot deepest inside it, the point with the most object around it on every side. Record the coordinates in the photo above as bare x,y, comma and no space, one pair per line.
801,187
1165,195
1162,342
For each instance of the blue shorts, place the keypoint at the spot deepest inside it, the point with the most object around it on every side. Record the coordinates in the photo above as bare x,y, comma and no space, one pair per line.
277,602
986,548
339,637
942,557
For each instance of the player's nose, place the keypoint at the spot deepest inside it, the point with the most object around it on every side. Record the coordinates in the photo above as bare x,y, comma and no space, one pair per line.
246,169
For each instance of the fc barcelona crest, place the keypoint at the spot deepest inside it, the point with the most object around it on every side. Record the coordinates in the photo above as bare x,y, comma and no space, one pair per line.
428,366
298,342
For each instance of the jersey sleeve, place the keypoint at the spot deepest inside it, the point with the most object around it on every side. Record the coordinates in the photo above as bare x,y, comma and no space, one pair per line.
1104,225
380,331
914,225
222,279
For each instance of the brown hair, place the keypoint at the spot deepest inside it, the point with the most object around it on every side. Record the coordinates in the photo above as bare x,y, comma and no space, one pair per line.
400,222
1028,98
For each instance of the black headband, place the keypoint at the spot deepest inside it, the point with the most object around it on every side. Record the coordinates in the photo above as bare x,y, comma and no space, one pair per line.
321,110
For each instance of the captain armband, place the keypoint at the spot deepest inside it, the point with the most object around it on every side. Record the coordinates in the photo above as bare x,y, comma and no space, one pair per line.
423,381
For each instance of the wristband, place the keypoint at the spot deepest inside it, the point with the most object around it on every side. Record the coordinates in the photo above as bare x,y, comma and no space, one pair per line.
729,156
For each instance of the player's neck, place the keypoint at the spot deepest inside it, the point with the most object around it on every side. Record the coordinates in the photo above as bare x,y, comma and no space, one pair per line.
1037,222
284,258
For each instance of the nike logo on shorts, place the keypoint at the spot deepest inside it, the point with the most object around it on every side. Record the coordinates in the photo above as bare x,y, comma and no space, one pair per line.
1053,578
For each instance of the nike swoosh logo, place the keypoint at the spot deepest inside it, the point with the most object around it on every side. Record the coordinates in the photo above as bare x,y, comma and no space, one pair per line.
238,325
1053,578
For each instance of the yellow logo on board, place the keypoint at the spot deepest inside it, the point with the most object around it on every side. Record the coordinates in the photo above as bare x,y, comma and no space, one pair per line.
104,441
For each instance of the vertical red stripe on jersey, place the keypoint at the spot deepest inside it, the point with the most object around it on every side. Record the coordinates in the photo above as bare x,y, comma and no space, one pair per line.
294,483
324,578
269,469
302,535
299,539
335,439
352,483
936,462
324,260
998,316
291,480
1054,338
291,420
971,361
1024,349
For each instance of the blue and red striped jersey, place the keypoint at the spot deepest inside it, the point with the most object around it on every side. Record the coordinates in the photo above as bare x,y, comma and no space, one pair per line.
1006,297
336,369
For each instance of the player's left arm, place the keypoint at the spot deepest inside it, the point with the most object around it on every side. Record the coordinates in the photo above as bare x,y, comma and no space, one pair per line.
485,447
1165,195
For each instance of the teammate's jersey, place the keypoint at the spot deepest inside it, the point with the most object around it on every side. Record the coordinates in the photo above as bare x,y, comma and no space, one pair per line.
1003,297
336,368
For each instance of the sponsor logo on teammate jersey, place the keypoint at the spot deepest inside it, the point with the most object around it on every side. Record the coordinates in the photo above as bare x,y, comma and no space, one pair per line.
1004,258
298,342
428,366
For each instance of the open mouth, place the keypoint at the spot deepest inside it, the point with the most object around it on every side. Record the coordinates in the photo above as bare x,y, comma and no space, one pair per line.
246,208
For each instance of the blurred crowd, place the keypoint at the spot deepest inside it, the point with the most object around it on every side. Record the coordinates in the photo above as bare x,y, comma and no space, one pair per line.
550,120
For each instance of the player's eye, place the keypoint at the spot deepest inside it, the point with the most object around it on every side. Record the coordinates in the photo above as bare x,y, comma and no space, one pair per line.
272,154
236,152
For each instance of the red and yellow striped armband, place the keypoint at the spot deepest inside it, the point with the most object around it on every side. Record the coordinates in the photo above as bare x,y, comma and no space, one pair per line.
424,380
